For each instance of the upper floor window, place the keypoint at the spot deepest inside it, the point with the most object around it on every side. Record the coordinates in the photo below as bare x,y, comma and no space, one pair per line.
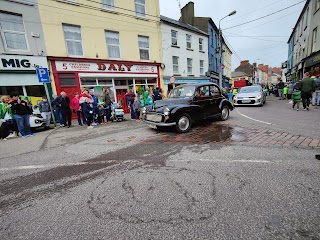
189,64
144,47
175,64
306,19
302,23
108,5
13,32
174,38
201,67
140,8
113,44
200,44
212,39
314,39
189,38
72,35
317,5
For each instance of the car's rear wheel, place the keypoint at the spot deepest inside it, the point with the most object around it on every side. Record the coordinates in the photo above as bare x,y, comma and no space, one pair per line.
224,113
183,123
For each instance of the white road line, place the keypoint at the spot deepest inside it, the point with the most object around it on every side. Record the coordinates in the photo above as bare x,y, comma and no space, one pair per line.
226,161
253,118
54,165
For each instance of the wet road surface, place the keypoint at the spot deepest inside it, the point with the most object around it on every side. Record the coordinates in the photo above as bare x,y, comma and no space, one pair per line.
215,182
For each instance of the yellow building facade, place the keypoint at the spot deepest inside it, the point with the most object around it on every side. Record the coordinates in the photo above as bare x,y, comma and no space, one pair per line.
98,44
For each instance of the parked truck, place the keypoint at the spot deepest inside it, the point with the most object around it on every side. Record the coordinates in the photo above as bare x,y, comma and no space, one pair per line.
241,83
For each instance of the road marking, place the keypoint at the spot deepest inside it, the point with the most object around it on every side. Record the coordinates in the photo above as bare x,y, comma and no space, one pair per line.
221,160
253,118
55,165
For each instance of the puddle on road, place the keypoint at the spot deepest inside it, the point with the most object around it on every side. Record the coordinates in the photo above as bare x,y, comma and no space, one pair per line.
221,133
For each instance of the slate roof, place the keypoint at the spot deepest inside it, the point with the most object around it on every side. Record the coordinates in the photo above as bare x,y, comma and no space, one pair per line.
238,74
176,23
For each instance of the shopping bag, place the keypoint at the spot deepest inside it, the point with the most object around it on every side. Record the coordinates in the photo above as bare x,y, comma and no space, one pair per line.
290,104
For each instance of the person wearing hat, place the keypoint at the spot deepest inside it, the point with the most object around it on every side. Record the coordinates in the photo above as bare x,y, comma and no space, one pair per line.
307,87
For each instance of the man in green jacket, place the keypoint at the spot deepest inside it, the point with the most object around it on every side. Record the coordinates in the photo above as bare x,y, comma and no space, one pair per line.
307,86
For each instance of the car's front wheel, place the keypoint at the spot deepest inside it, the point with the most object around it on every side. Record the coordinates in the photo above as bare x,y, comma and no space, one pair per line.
224,113
183,124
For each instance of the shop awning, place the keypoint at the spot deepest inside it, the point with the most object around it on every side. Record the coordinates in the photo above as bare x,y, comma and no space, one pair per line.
19,79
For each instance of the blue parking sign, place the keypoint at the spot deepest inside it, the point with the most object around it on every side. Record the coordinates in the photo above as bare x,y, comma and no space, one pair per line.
43,75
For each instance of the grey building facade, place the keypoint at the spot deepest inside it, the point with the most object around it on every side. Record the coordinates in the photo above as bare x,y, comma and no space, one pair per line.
22,48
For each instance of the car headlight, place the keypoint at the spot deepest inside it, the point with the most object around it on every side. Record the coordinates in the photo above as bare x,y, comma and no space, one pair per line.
259,96
166,111
144,110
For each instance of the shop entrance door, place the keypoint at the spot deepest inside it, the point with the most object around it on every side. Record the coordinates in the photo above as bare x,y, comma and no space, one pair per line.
70,91
121,98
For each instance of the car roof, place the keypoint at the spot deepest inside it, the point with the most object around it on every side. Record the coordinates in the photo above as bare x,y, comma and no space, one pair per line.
200,84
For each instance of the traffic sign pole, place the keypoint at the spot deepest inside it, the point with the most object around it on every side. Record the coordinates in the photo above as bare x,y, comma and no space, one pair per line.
43,77
51,109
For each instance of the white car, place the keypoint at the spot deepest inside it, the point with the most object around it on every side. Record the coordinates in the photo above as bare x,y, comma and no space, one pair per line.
250,95
36,121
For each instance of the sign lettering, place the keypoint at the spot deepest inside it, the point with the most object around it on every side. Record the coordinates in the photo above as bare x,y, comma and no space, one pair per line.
112,67
9,62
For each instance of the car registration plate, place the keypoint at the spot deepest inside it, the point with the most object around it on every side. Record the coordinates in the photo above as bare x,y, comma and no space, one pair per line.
246,101
152,126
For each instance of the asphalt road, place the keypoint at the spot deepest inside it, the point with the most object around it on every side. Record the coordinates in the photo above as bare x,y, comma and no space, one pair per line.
126,181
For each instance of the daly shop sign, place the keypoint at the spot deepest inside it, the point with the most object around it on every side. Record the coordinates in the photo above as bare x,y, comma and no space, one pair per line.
105,67
22,63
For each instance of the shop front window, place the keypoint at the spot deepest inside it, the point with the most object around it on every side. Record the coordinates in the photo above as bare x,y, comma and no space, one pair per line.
11,89
120,82
105,82
152,81
67,80
36,91
88,82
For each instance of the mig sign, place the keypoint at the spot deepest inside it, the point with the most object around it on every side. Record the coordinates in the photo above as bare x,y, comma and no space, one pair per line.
22,63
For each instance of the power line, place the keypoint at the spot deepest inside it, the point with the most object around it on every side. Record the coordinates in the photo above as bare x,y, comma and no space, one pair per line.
266,40
237,35
264,48
268,22
252,11
264,16
229,45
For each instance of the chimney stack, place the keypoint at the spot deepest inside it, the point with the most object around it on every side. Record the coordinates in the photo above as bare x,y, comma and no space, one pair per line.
187,13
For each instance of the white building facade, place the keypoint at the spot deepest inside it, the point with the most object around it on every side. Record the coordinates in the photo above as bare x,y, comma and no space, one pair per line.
227,61
185,53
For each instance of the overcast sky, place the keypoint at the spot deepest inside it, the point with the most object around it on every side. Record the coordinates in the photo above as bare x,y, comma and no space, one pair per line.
274,31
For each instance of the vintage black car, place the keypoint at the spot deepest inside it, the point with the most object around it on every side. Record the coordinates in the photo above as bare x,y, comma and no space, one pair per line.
186,104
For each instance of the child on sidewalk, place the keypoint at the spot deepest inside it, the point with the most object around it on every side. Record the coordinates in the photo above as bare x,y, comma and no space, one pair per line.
136,108
88,111
296,98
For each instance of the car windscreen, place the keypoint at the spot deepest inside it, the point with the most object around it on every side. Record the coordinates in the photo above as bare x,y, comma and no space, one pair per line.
250,89
182,92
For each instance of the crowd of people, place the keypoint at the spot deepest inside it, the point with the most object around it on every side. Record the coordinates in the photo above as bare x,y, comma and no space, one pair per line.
305,91
89,108
92,110
15,117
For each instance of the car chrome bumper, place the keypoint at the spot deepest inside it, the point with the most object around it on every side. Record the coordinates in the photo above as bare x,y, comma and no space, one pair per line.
159,124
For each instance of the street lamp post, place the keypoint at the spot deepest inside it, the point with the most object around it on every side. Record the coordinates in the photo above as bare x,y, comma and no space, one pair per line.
220,48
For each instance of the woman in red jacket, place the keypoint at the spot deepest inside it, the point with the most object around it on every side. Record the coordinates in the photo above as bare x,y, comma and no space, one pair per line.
76,108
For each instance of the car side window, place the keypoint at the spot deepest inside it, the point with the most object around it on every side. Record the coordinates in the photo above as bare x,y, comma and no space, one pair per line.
214,91
202,92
